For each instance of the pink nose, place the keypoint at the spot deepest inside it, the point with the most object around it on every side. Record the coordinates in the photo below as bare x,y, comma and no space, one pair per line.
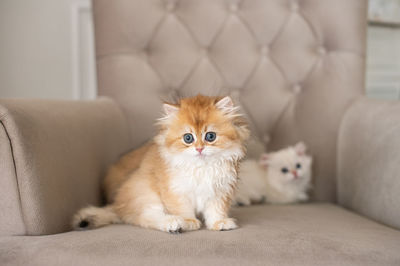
200,149
294,173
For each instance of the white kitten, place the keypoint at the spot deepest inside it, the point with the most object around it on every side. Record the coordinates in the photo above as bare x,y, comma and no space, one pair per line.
278,177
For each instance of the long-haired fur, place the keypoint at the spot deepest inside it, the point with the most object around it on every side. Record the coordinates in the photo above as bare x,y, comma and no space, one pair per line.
189,169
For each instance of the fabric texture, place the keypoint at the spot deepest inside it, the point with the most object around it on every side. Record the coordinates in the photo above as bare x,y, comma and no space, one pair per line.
294,66
11,222
309,234
54,154
369,156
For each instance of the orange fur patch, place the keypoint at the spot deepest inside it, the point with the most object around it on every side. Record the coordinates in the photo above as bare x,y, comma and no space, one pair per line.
140,182
118,173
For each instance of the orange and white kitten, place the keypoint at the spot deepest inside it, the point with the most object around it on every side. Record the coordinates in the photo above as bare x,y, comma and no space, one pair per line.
189,169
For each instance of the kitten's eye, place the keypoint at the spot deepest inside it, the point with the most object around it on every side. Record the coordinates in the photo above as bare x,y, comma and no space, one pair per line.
210,136
284,170
298,166
188,138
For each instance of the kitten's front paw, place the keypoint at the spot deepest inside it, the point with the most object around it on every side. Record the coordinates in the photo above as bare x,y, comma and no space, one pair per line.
173,224
224,225
303,197
242,202
191,224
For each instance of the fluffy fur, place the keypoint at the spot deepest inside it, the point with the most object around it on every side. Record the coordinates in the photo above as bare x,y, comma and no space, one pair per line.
168,183
278,177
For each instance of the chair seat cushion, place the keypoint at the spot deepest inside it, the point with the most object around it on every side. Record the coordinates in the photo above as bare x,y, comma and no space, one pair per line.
305,234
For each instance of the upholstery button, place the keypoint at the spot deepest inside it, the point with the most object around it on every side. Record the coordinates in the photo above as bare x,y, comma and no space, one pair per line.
294,6
204,52
264,50
321,50
233,7
147,50
296,88
171,6
143,55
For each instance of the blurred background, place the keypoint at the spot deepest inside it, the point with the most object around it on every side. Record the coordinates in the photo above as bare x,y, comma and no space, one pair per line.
47,49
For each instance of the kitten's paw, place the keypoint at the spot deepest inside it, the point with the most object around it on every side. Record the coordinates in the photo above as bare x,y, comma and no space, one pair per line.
173,224
224,225
242,201
191,224
303,197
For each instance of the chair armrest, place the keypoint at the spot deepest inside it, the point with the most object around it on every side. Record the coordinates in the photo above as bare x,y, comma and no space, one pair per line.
53,155
369,160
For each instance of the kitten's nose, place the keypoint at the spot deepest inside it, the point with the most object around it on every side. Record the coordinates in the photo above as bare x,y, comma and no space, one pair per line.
294,173
199,149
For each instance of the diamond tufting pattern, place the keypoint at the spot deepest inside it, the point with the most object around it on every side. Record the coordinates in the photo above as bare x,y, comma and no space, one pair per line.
294,66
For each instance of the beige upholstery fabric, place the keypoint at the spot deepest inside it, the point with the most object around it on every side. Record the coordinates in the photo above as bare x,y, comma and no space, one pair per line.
61,150
369,158
11,222
269,235
293,65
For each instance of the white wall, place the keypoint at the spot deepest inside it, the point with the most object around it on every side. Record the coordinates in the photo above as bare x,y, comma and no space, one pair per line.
383,62
46,49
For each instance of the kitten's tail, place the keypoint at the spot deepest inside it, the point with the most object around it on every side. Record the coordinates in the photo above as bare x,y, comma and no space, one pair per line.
94,217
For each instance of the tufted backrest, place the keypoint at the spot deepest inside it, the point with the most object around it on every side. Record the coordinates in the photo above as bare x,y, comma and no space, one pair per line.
294,66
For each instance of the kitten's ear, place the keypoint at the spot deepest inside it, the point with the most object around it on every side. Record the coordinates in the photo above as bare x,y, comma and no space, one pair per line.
170,109
226,105
300,148
264,160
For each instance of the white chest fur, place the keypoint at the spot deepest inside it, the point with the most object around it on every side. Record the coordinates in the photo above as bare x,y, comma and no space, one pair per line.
203,180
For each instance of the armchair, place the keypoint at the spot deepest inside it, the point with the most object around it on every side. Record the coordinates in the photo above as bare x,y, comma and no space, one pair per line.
297,69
